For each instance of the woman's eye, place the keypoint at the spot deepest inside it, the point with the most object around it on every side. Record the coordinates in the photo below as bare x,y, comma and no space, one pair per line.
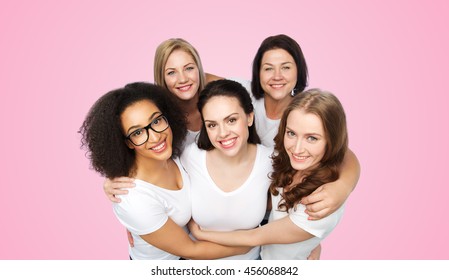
190,68
211,125
290,133
233,120
136,133
170,73
286,67
268,69
312,139
156,121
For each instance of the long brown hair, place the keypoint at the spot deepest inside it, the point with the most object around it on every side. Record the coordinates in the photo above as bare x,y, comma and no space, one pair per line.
329,109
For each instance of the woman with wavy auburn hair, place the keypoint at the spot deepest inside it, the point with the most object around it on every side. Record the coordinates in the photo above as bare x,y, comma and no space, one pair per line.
309,150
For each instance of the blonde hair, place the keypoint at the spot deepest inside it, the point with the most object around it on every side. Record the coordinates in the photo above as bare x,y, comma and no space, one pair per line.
165,49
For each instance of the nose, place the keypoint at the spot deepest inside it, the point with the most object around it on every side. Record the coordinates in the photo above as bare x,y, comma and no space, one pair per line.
153,136
298,148
277,74
183,77
223,131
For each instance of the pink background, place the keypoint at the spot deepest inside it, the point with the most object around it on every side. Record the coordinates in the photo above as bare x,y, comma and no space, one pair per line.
387,62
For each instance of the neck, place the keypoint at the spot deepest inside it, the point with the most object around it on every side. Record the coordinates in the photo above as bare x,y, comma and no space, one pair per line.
193,115
151,170
242,156
275,108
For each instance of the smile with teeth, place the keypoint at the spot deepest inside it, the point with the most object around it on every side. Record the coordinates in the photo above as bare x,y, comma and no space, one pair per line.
160,147
184,88
300,158
228,143
277,86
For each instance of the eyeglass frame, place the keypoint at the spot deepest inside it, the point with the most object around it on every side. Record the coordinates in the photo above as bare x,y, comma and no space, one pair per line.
147,128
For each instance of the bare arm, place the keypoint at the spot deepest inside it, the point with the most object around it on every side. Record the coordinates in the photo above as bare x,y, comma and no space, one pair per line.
329,197
282,231
117,186
173,239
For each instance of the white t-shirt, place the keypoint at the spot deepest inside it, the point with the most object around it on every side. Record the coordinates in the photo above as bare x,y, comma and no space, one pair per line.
191,137
243,208
300,250
266,128
147,207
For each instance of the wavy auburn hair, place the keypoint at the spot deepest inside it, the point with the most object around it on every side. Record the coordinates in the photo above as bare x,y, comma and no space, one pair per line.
329,109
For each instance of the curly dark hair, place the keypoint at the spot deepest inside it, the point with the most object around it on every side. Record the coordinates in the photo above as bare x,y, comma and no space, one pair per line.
329,109
286,43
102,133
226,88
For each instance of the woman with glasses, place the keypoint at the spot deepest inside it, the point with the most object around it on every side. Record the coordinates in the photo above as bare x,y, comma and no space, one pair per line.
279,73
178,68
137,131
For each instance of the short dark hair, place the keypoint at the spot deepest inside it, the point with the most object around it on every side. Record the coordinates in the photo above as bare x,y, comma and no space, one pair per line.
102,132
289,45
226,88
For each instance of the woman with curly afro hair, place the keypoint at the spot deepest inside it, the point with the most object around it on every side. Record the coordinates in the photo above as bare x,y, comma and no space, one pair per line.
138,131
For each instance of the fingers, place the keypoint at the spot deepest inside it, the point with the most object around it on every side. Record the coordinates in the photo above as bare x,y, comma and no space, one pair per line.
313,216
314,197
119,183
117,192
123,180
113,198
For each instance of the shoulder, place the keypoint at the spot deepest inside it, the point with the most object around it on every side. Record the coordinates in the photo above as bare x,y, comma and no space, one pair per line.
319,228
264,151
142,196
189,152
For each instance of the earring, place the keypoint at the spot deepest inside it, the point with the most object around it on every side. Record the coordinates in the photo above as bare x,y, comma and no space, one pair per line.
293,93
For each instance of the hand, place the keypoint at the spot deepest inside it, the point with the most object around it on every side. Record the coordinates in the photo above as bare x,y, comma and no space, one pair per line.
116,187
324,200
195,229
130,238
315,253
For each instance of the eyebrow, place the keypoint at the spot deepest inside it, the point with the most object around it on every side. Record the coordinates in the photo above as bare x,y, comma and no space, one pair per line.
173,68
308,134
283,63
225,118
138,126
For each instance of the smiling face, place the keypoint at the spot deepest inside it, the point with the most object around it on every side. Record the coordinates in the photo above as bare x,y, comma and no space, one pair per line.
158,147
226,124
181,75
278,74
304,139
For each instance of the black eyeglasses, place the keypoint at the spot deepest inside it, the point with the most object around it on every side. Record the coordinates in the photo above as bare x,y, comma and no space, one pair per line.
140,136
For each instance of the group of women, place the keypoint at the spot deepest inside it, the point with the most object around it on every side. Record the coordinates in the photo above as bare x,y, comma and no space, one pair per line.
199,148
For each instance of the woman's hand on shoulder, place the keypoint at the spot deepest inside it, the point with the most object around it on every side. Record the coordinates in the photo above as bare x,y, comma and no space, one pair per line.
324,201
117,186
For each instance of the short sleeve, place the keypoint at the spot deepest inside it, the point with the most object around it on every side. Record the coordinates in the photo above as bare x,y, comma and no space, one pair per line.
141,211
319,228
